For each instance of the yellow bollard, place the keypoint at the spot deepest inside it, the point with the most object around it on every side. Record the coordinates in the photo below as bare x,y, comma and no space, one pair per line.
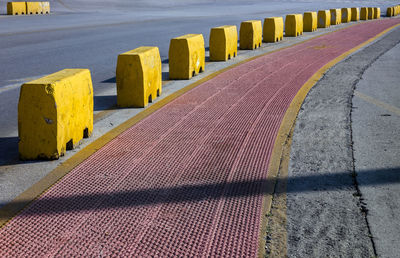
364,13
371,13
336,16
34,8
346,15
310,21
186,56
250,34
273,29
16,8
355,14
138,77
324,19
45,7
377,13
223,43
54,113
293,25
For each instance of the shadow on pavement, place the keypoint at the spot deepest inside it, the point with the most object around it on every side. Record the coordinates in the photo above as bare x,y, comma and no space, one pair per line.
195,193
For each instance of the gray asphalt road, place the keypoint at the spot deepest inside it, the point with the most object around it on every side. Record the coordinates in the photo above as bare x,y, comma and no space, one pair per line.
326,213
376,136
91,34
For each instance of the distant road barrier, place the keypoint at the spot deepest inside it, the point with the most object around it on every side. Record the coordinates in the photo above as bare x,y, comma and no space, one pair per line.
364,13
371,13
138,77
324,19
186,56
20,8
273,29
250,34
377,13
346,15
310,22
293,25
336,16
223,43
54,113
16,8
355,14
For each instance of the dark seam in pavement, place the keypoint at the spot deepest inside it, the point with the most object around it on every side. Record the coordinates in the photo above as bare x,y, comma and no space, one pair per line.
358,194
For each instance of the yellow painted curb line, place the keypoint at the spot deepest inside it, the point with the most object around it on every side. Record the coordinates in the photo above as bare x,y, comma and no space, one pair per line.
287,124
10,210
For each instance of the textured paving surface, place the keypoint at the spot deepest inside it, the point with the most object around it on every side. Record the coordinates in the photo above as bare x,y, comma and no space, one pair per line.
187,180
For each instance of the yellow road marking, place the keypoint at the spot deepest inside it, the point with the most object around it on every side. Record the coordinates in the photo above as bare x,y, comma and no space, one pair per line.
10,210
378,103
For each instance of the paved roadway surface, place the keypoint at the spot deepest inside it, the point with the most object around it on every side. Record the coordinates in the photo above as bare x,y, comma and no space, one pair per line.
329,211
187,180
91,34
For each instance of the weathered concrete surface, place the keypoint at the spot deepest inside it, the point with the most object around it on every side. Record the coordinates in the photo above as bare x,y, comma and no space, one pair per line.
324,212
376,139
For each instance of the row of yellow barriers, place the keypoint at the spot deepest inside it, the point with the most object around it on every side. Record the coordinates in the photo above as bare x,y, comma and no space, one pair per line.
21,8
393,11
55,112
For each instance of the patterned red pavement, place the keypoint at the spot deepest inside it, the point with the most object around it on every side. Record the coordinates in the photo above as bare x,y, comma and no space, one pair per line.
188,179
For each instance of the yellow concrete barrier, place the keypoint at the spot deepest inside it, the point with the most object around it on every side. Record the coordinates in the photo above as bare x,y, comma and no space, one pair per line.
355,14
371,13
310,21
377,13
250,34
138,77
16,8
54,113
293,25
273,29
34,8
346,15
324,19
390,11
45,7
364,13
336,16
186,56
396,10
223,43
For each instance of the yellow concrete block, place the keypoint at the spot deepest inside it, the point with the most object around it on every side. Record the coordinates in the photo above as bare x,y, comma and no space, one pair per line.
34,8
273,29
293,25
346,15
364,13
324,19
45,7
355,14
390,12
138,77
377,13
336,16
371,13
223,43
250,34
396,10
54,113
186,56
16,8
310,21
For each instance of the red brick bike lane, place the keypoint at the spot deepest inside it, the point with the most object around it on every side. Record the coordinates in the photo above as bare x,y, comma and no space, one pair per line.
188,179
